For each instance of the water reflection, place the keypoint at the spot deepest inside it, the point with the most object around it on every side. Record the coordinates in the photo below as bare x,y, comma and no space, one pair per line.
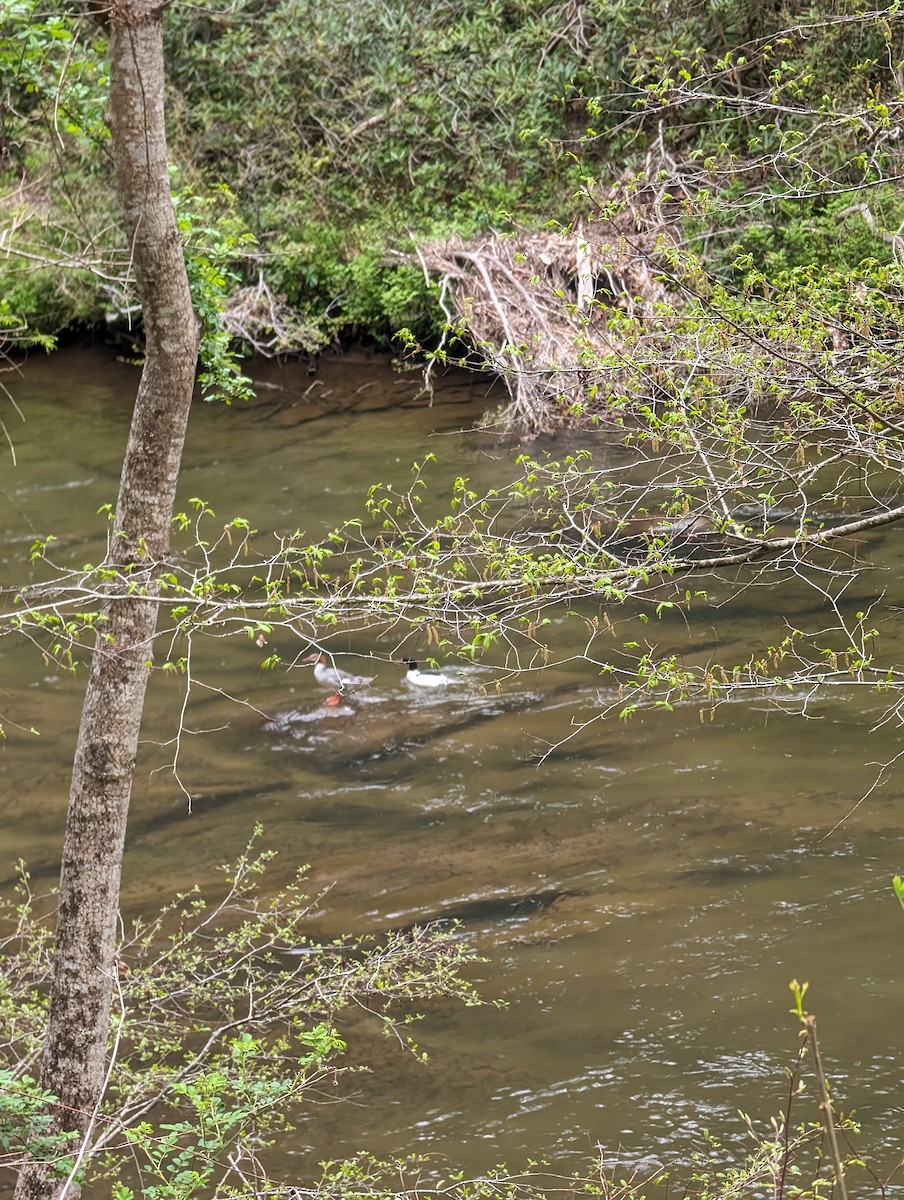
643,898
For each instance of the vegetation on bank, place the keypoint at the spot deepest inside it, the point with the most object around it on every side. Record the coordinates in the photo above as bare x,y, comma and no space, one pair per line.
393,126
227,1022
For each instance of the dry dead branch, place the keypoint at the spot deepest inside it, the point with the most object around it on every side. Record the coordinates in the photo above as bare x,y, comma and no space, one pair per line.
266,322
540,309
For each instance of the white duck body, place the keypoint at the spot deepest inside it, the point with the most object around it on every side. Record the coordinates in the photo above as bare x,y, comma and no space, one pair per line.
330,676
423,679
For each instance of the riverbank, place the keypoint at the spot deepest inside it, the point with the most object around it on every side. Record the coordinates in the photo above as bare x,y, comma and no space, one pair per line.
401,129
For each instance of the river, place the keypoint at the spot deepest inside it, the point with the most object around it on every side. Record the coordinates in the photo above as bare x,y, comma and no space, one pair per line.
642,898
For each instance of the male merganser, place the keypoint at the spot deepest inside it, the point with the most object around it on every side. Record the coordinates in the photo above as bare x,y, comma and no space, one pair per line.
427,679
330,676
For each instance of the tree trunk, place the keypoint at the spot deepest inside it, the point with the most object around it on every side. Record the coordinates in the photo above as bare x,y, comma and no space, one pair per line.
75,1057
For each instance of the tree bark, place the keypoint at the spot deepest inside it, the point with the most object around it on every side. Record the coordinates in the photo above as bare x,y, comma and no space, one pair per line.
76,1052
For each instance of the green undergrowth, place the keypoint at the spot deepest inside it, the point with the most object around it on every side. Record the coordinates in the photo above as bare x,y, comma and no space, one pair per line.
389,125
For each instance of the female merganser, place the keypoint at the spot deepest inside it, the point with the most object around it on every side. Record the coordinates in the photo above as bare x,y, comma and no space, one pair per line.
427,679
330,676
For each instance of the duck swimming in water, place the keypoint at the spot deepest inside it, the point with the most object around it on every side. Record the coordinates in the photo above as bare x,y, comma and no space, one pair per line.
330,676
424,679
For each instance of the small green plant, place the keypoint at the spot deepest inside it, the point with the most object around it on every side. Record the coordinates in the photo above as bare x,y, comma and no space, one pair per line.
214,238
228,1110
27,1125
228,1019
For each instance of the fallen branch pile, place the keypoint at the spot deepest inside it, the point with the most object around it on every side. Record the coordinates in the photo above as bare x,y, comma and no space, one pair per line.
543,310
264,321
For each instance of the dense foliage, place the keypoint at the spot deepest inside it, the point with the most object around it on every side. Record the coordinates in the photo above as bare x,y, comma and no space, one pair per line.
350,134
